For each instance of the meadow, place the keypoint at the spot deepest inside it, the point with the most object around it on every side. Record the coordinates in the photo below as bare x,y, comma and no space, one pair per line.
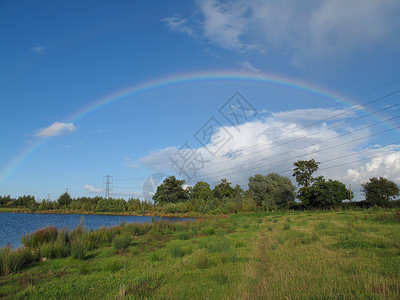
297,255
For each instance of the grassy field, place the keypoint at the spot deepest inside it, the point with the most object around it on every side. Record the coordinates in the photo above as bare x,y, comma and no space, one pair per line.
296,255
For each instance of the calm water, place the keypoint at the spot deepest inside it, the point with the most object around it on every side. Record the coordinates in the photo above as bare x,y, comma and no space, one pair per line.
14,225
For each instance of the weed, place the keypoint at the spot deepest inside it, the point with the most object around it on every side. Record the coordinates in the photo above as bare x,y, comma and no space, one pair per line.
209,230
274,246
220,277
113,265
269,228
84,269
203,261
144,286
176,250
154,256
286,226
78,250
184,235
240,244
39,237
352,245
121,242
219,244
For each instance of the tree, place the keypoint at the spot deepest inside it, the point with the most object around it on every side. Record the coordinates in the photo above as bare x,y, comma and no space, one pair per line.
271,190
324,194
64,200
224,190
303,171
379,191
202,191
170,191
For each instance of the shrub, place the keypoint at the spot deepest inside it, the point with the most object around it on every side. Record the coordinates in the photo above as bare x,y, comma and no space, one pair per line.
113,265
176,250
39,237
122,242
219,244
184,235
11,261
78,250
209,230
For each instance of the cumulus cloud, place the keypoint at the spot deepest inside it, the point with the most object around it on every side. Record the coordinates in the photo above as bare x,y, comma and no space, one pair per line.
298,29
273,144
93,190
37,50
57,128
383,165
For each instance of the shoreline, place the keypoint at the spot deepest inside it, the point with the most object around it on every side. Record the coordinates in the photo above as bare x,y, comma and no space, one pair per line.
134,214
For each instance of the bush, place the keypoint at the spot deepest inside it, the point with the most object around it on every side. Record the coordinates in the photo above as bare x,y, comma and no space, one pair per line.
219,244
122,242
12,261
176,250
39,237
78,250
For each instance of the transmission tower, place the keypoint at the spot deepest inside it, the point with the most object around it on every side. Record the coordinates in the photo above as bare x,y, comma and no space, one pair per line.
108,177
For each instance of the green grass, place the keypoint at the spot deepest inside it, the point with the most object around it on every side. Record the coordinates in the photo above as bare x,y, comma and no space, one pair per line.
274,255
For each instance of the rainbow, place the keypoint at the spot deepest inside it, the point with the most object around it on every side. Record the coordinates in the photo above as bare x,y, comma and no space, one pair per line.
173,80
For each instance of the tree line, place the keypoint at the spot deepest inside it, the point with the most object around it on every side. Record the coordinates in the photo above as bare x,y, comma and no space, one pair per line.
264,193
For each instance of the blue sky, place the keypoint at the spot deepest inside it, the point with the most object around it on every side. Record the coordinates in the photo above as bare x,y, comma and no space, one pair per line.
303,70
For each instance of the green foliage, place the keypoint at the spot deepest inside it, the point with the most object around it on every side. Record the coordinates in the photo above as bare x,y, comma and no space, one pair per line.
39,237
111,205
64,200
122,242
170,191
202,191
176,250
379,191
272,190
78,250
224,190
324,194
12,261
303,171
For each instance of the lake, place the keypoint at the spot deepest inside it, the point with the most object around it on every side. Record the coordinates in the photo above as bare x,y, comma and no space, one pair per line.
14,225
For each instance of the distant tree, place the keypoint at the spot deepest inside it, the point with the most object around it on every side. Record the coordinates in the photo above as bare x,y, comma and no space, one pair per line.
64,200
170,191
224,190
24,201
111,205
379,191
271,190
303,170
324,194
201,191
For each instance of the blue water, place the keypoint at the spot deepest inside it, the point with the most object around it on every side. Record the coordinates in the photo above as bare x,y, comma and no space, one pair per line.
14,225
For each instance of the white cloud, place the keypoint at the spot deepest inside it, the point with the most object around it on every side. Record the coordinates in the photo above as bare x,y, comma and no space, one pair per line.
300,30
384,165
93,190
37,50
179,24
57,128
274,143
129,163
247,66
313,114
